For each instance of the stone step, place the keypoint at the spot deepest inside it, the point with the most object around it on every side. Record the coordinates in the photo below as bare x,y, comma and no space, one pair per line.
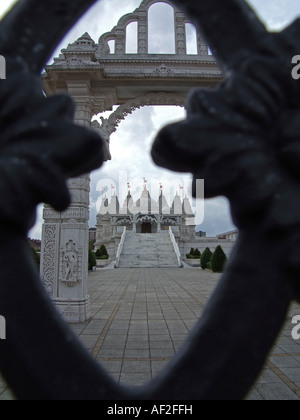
157,250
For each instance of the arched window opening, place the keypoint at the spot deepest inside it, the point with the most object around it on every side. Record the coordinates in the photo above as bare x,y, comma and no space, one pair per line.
161,23
112,46
132,38
209,52
191,39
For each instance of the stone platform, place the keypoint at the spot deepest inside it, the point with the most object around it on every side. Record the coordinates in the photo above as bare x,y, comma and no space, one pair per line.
140,318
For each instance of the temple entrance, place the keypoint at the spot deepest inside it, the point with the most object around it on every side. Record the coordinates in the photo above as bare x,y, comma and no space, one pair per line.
146,228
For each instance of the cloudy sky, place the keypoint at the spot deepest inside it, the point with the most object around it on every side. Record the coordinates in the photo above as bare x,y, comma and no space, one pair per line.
131,144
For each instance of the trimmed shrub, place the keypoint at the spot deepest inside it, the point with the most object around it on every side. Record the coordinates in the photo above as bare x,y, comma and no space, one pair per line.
92,260
99,253
206,257
218,260
194,254
104,257
197,253
103,250
208,265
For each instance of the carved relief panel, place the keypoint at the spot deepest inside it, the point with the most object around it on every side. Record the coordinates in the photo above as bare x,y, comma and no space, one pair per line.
70,264
49,262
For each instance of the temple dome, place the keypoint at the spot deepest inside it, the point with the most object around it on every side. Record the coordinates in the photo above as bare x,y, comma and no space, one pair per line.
128,204
114,206
104,208
177,205
187,208
146,205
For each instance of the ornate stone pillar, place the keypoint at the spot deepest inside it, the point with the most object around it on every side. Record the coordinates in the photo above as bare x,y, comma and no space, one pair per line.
120,48
65,240
143,33
202,46
180,33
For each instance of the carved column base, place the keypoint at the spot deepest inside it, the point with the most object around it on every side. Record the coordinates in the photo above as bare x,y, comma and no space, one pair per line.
74,311
64,259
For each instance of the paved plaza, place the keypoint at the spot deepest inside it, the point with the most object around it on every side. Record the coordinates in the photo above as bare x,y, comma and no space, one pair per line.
140,318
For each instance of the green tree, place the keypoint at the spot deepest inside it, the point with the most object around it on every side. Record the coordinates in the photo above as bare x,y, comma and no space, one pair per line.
91,244
218,260
92,260
206,257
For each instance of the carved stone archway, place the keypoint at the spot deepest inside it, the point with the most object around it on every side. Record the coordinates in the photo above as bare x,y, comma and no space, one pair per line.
99,79
109,125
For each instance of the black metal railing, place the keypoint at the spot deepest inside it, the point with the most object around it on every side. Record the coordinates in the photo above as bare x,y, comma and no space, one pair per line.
242,138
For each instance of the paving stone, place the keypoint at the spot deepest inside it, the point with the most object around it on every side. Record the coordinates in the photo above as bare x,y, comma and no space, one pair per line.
111,353
285,362
167,344
137,338
158,366
7,395
89,341
112,366
162,353
157,338
254,395
132,345
276,392
268,377
113,337
292,373
135,379
137,353
136,367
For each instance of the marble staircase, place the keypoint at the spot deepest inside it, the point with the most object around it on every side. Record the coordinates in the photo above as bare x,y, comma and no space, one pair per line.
148,250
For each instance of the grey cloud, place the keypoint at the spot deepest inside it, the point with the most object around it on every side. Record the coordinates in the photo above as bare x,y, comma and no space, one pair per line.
276,14
217,217
161,29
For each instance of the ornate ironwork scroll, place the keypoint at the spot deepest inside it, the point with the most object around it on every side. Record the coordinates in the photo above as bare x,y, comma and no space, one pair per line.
241,138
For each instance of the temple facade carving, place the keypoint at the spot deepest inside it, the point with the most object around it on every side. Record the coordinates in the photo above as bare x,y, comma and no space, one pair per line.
145,215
